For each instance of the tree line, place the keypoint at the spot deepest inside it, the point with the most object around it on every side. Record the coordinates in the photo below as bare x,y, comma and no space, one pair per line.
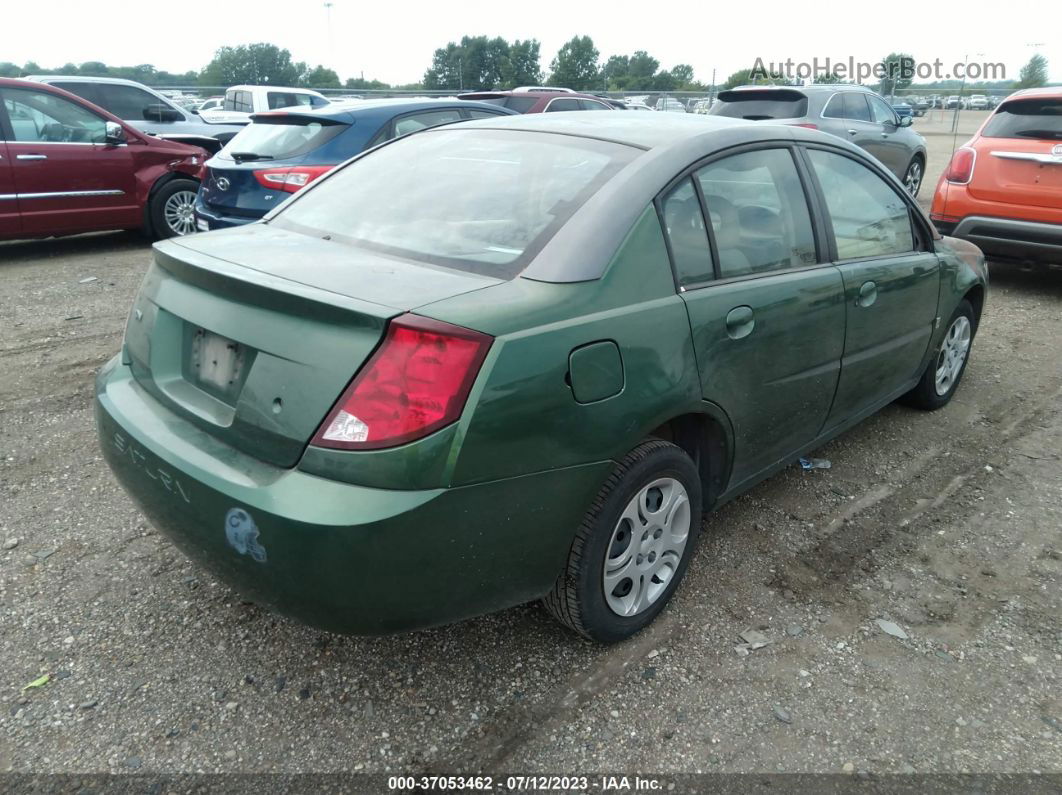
480,62
473,63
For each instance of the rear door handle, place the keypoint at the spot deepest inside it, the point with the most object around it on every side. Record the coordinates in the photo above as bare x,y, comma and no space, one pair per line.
31,157
740,321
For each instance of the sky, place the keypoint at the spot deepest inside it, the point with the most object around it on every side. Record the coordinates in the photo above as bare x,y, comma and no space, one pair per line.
394,41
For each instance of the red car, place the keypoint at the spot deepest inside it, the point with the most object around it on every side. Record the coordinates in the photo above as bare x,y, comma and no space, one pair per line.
540,100
68,166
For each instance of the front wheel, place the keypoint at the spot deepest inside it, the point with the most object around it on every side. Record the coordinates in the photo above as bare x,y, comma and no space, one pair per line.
912,179
945,370
633,546
173,209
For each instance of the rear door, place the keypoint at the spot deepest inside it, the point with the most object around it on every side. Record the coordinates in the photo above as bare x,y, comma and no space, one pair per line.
66,176
9,220
766,311
891,282
1019,157
858,126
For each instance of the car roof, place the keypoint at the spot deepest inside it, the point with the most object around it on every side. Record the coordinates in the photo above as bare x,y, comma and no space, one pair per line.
536,94
85,79
382,108
1043,91
249,86
642,131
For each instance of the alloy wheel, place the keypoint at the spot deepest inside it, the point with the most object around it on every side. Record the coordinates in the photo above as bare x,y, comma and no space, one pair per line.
913,180
179,214
953,352
646,547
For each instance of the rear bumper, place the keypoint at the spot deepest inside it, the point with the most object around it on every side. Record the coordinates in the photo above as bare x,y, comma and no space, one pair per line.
342,557
1005,237
207,218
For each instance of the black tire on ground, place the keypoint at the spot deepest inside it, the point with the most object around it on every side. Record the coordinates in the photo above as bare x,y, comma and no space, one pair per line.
926,395
578,599
910,175
164,224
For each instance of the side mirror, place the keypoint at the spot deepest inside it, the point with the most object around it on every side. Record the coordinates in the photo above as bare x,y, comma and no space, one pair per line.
905,121
113,134
160,112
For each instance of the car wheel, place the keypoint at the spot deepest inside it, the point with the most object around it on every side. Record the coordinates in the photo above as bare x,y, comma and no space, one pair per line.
945,369
912,179
633,546
172,209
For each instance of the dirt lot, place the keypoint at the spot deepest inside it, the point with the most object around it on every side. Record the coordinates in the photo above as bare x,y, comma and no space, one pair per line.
946,524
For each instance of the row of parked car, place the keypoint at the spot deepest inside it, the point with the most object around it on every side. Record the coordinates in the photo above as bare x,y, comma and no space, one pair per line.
70,166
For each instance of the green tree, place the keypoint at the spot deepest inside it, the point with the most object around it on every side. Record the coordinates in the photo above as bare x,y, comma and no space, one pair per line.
898,69
615,72
575,65
523,67
8,69
322,78
254,64
683,74
1034,73
31,68
744,77
362,83
94,69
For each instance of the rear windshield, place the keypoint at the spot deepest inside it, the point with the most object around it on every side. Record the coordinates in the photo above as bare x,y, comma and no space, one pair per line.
273,139
1027,118
757,105
483,201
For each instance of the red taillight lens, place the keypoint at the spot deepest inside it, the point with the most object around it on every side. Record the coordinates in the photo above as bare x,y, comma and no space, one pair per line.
290,179
805,124
416,382
962,165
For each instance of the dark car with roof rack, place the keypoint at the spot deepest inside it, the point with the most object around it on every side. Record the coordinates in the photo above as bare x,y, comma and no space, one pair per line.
282,151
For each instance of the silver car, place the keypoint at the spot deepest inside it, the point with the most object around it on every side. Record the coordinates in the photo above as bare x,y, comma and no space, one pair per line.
854,113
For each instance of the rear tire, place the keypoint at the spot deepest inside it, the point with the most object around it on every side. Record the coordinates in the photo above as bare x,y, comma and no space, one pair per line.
172,209
945,369
633,546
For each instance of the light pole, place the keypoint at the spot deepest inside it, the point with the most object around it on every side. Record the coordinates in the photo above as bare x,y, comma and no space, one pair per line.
328,24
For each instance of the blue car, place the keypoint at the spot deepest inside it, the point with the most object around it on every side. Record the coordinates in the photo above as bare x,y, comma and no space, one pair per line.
282,151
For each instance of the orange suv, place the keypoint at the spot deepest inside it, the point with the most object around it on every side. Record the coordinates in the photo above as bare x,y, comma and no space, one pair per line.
1003,188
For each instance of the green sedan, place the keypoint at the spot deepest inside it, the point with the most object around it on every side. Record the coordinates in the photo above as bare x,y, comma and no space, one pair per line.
519,358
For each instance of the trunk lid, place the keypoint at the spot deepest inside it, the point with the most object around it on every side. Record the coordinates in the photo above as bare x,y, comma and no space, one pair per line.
252,333
1019,153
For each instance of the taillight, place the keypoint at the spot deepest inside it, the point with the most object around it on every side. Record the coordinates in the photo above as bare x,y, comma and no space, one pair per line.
960,170
416,382
809,125
290,179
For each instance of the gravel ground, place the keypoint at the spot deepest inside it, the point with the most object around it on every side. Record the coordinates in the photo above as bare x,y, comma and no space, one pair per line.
945,524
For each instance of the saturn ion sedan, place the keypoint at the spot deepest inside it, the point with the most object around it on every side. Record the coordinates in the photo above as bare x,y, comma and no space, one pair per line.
518,359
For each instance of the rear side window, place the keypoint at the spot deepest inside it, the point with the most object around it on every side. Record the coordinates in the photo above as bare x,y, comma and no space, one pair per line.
834,108
759,105
483,201
287,99
855,106
1027,118
519,104
270,139
684,224
759,215
421,121
868,217
559,105
239,101
125,102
